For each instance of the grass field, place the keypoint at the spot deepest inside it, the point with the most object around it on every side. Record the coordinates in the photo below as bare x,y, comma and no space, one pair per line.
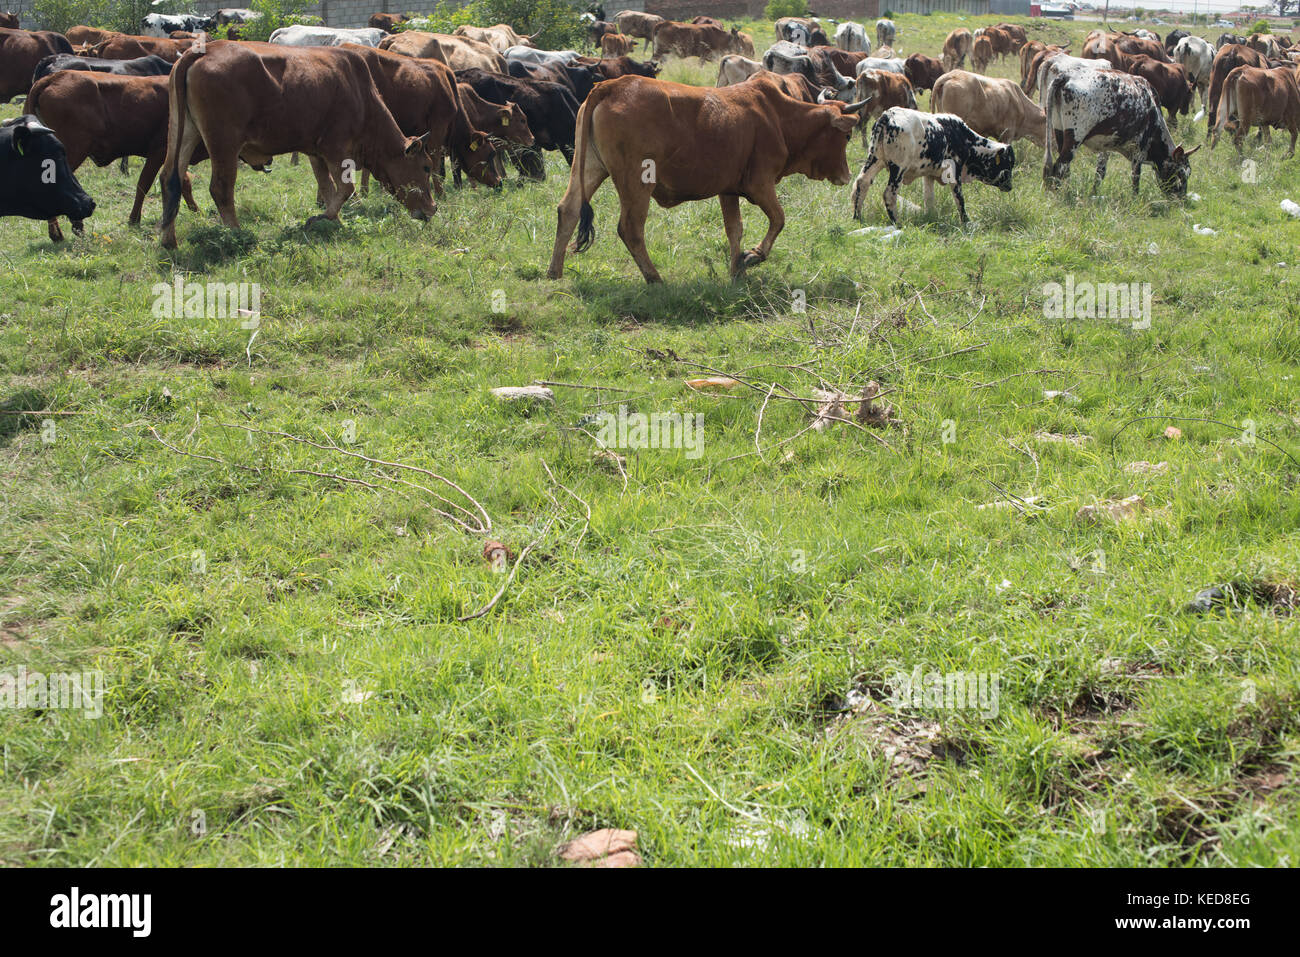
703,649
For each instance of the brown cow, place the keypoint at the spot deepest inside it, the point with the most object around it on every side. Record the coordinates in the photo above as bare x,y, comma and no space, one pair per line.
500,37
612,67
507,122
703,41
122,46
633,23
107,117
86,35
1134,46
1228,58
844,61
252,101
9,21
922,71
1000,41
992,107
1017,34
1174,91
459,53
880,90
981,53
616,44
1265,43
956,48
1032,56
20,51
744,140
706,21
386,21
423,97
1259,97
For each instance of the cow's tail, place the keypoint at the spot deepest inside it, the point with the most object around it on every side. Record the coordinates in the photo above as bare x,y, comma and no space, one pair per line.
1050,109
586,215
177,116
936,96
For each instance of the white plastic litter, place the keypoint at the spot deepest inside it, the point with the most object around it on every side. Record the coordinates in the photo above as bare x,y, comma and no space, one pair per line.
1153,249
1204,230
1194,197
1290,208
885,232
1066,396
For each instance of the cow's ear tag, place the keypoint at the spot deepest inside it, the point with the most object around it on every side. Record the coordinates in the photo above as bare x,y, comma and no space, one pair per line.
473,147
505,121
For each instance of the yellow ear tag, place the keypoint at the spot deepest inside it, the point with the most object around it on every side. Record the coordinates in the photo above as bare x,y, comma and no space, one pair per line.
473,147
505,121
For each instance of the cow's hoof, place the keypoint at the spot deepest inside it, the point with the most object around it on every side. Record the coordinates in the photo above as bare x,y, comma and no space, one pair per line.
752,258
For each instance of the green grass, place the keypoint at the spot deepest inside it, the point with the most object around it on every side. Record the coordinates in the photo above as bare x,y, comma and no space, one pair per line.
680,663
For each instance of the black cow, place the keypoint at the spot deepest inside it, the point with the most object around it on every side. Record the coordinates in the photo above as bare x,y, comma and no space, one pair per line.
580,79
1172,38
35,181
1227,38
151,65
551,109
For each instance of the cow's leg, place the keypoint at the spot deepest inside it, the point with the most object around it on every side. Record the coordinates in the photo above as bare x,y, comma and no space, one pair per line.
365,182
1102,159
324,180
221,187
635,205
927,187
961,202
152,164
891,192
341,189
56,234
124,166
770,204
870,170
1059,170
735,228
1137,175
575,203
1173,119
1291,152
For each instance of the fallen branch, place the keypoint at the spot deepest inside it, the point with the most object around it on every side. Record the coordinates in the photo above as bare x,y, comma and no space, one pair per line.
511,577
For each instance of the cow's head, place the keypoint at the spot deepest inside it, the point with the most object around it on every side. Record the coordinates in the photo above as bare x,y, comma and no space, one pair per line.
991,162
1173,172
478,158
37,181
509,123
825,151
408,174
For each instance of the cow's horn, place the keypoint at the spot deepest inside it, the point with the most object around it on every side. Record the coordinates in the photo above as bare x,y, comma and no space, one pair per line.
857,107
1187,153
36,126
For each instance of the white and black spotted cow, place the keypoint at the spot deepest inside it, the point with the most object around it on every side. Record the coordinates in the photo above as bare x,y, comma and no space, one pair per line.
162,24
782,58
1109,111
934,146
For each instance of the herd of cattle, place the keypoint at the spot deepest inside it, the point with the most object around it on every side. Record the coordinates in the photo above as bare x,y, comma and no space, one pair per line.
396,103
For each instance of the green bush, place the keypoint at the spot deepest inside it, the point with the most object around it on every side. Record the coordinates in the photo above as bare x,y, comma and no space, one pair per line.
1261,26
776,9
60,15
275,14
554,22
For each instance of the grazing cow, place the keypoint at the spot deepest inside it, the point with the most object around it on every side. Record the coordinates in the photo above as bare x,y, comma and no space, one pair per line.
616,44
459,53
889,65
160,25
744,140
580,78
1172,38
385,21
1196,57
144,66
252,101
299,35
507,122
10,21
1100,46
1226,60
500,37
634,23
1263,98
852,37
551,109
885,33
881,91
1173,89
912,144
922,71
612,67
1000,42
20,52
28,151
795,29
779,60
995,108
956,48
1227,39
86,36
1030,59
706,21
120,46
1017,34
1266,44
535,57
1144,34
106,117
1106,110
846,63
981,53
734,68
703,41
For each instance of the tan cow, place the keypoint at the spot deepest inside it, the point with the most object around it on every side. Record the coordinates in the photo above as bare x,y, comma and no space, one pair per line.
634,23
956,48
500,37
459,53
1258,97
992,107
616,44
981,53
